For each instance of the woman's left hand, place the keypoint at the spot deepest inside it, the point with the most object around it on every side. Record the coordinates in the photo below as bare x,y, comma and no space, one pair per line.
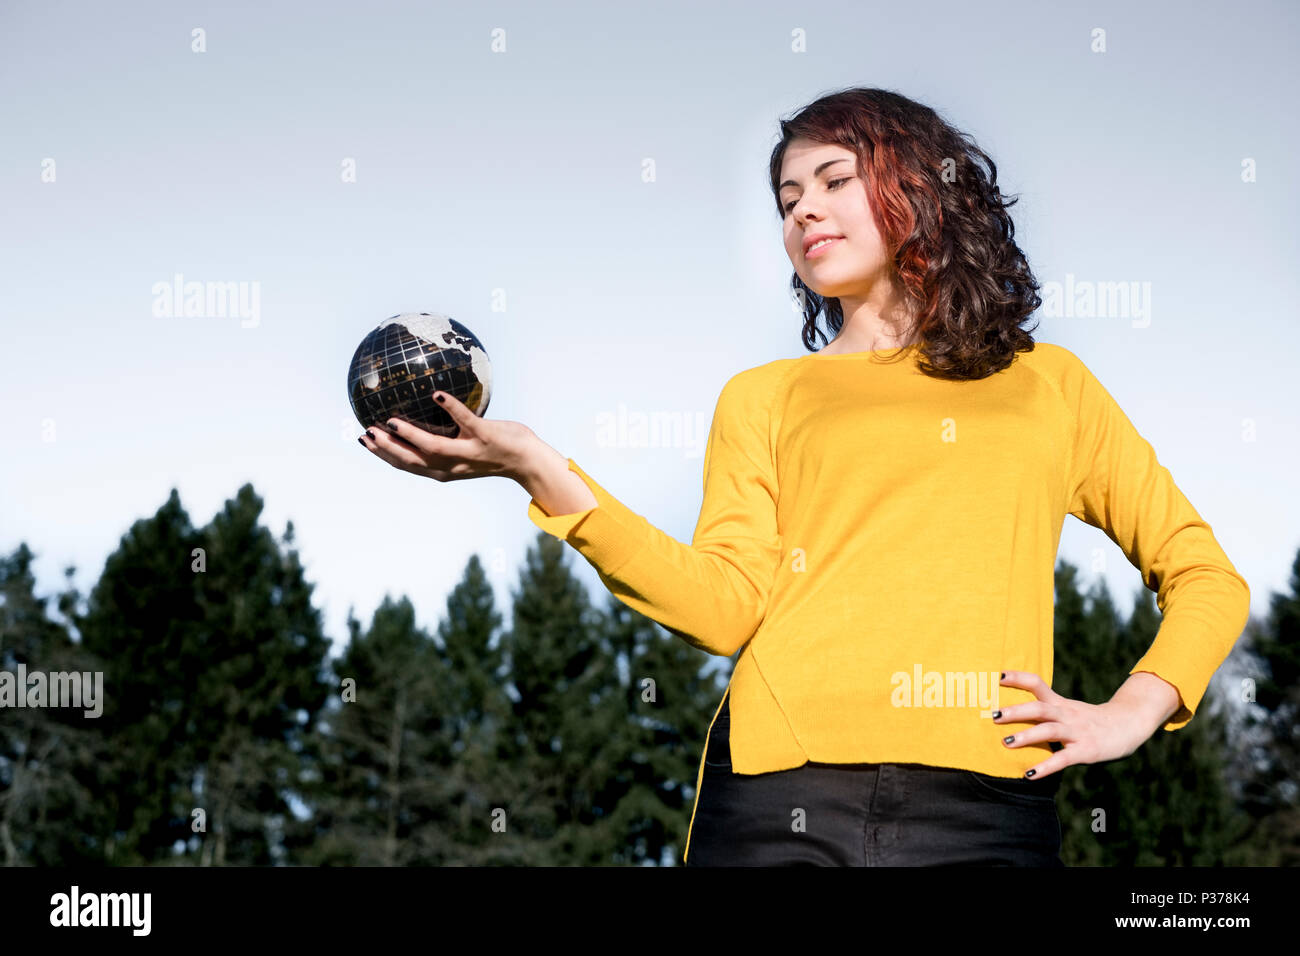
1090,733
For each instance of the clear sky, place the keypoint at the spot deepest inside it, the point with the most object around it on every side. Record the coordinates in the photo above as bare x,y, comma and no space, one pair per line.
584,186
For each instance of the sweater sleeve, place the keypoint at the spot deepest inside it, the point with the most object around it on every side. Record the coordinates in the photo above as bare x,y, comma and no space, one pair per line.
713,594
1118,485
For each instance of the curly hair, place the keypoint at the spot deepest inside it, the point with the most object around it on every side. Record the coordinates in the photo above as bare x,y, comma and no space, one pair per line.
944,222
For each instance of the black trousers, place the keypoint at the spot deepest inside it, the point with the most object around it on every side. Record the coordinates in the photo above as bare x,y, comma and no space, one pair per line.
868,814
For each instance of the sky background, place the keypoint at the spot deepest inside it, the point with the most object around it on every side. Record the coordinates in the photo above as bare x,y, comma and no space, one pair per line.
499,151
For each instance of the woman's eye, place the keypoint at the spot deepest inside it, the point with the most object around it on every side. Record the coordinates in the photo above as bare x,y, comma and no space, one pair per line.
833,184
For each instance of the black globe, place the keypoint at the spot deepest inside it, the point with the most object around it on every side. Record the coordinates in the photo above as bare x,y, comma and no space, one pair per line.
397,368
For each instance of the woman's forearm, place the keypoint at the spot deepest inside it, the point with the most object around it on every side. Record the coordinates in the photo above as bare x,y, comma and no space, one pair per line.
1150,699
544,473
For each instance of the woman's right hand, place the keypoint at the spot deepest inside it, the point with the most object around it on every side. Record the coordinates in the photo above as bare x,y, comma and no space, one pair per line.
482,447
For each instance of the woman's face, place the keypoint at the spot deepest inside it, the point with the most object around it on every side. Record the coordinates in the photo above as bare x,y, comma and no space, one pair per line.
831,200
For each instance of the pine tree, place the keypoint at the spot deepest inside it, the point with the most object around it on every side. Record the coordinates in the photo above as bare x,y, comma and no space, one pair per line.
144,622
563,741
50,757
475,709
670,699
1266,746
1188,817
261,666
1167,804
382,752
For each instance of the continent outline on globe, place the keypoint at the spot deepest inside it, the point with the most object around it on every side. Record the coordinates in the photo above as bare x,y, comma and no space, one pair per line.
402,362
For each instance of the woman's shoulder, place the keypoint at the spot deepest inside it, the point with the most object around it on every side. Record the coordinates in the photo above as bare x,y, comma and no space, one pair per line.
1063,364
1049,354
761,376
754,389
1055,362
1069,376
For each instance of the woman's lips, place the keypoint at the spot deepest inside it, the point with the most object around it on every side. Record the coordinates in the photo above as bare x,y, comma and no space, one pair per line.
818,251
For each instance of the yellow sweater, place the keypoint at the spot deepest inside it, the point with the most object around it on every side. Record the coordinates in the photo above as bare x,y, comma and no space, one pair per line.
881,543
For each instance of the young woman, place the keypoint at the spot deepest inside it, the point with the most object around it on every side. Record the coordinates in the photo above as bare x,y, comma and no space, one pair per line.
879,527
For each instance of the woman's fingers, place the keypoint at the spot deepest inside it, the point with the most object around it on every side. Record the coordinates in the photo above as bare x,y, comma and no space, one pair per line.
459,413
481,446
1027,680
391,449
421,441
421,452
426,442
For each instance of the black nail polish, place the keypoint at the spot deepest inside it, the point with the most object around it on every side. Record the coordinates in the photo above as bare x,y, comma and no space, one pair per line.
391,427
1030,773
361,443
370,434
1007,740
997,714
1004,676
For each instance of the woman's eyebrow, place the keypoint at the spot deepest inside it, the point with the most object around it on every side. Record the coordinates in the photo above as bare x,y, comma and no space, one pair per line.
816,172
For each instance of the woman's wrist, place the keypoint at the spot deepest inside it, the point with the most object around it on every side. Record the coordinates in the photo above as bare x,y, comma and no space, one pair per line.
545,474
1149,699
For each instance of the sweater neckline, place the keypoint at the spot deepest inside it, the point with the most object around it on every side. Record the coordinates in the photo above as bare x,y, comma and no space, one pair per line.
897,349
